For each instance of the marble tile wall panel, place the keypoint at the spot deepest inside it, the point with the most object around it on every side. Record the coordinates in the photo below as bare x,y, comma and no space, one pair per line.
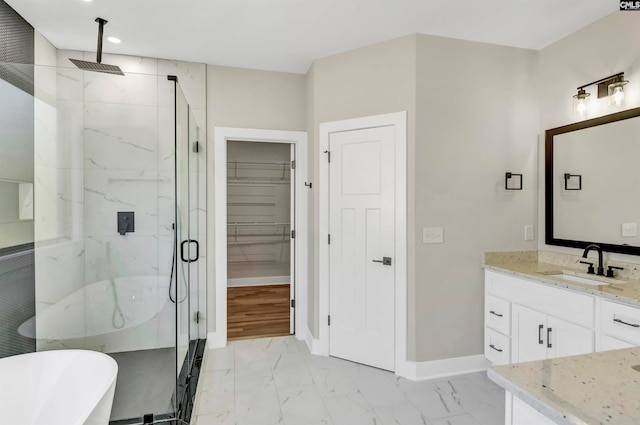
120,137
132,89
69,142
107,192
166,138
70,79
131,255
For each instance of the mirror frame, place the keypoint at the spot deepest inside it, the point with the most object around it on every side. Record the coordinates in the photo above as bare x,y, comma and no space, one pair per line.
548,147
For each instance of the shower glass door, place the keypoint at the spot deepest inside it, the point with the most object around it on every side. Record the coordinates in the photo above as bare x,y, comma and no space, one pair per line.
188,248
182,277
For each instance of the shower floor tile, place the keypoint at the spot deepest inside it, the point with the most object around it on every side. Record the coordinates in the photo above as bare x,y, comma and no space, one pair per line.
146,381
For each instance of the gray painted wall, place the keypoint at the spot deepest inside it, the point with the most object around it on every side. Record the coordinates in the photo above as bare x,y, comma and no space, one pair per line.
476,119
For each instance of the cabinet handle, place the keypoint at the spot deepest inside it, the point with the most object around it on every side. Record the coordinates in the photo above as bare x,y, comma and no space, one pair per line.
548,337
635,325
495,314
497,349
540,341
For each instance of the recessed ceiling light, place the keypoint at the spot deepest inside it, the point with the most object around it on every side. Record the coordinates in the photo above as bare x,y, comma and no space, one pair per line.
87,1
114,40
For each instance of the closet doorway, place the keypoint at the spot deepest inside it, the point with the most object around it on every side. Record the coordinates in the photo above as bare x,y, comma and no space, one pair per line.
219,234
260,247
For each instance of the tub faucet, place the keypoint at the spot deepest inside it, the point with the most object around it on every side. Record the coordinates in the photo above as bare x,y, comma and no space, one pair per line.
597,248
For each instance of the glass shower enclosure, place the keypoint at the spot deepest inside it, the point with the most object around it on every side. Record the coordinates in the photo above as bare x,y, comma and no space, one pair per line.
114,205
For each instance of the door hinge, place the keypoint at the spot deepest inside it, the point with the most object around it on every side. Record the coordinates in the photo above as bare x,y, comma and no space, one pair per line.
329,239
293,303
328,155
293,164
196,317
293,234
196,146
328,320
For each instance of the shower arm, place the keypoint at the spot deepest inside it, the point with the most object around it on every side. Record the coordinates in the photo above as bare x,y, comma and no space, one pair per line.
101,23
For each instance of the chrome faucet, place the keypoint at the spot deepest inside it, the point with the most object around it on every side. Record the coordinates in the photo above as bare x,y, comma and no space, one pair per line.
597,248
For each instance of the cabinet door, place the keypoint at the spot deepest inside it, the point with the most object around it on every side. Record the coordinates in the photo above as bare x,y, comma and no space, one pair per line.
567,339
528,340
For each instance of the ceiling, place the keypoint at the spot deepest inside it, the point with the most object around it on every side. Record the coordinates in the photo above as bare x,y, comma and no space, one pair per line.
288,35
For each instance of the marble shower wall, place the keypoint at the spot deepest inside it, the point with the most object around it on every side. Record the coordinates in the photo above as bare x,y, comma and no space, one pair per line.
114,150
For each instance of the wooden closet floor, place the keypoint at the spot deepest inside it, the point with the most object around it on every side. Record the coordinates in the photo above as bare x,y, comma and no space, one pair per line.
257,311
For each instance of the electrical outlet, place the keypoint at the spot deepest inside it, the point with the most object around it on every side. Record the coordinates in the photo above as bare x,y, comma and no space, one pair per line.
433,235
629,229
529,231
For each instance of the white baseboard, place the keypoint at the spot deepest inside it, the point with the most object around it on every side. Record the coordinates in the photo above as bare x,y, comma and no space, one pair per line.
259,281
215,340
420,371
313,344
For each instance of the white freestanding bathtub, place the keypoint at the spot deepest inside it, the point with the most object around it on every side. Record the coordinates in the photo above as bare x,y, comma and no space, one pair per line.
64,387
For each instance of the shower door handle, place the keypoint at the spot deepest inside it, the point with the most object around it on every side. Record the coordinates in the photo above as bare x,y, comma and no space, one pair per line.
182,245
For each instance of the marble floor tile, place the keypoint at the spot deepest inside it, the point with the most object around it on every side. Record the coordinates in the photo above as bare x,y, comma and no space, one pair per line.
332,381
401,414
219,358
258,407
380,391
303,406
277,381
455,420
219,418
350,409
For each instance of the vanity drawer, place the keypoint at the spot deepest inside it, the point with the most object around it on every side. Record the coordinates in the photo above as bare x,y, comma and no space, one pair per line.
497,347
497,314
620,321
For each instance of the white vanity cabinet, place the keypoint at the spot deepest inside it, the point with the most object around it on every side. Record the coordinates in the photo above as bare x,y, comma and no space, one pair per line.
527,321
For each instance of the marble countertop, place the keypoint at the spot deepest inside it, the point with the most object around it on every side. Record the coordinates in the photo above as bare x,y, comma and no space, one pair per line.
590,389
622,290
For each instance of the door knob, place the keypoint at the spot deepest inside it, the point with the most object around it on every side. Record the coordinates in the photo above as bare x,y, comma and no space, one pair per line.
386,261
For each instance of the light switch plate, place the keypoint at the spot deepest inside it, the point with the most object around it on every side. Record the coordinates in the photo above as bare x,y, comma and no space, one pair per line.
629,229
433,235
529,232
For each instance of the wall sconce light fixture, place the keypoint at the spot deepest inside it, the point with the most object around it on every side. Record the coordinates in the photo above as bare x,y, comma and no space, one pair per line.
612,87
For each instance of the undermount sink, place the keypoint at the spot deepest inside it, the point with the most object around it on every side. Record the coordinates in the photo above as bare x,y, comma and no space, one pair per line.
572,277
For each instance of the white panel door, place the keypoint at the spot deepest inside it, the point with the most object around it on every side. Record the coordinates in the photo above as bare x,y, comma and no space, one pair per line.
361,225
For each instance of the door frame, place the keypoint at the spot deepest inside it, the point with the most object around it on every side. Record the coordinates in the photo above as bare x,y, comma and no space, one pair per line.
399,121
217,237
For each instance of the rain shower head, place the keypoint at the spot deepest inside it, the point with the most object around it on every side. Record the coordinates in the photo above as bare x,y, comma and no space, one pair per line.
98,66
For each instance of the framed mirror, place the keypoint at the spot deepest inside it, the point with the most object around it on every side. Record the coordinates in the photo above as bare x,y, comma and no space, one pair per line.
592,183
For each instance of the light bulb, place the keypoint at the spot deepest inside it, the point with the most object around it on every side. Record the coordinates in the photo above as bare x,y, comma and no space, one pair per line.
582,106
618,96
